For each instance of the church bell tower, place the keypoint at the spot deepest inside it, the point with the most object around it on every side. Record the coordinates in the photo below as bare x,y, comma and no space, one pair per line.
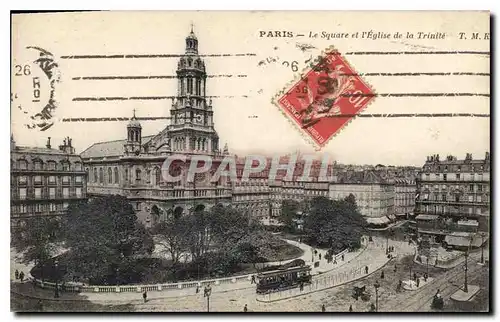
192,128
134,137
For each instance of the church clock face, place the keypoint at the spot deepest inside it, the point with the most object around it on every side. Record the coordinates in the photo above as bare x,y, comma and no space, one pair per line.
198,118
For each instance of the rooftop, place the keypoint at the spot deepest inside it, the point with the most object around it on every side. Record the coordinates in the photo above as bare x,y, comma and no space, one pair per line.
109,148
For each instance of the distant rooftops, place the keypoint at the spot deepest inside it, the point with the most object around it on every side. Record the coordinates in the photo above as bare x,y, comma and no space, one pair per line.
451,159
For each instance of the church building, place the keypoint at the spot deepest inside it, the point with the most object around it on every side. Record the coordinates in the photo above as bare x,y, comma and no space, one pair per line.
132,167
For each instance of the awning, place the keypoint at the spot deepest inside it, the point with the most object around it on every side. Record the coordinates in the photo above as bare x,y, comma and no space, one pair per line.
427,217
378,220
472,223
463,239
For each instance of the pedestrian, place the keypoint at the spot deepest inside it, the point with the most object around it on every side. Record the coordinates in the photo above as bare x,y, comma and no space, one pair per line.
395,268
426,277
335,261
323,308
16,274
418,282
145,296
366,269
39,305
350,308
319,256
315,252
372,308
253,279
382,275
342,257
414,276
301,286
21,276
197,289
245,309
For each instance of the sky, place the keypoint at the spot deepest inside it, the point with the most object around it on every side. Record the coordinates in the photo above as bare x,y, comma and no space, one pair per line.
245,117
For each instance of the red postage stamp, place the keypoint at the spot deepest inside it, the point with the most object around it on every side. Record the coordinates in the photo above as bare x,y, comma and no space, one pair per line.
326,98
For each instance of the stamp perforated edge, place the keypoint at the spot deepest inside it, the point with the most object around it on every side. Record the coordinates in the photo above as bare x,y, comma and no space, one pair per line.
275,99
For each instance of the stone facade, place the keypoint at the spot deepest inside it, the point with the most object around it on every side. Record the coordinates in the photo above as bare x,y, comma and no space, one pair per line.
453,196
405,190
44,181
374,194
132,167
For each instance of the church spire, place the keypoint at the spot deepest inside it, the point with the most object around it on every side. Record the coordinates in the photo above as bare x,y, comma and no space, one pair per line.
192,42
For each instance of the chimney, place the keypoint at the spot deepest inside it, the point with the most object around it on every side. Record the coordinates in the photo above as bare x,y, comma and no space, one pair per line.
48,143
66,147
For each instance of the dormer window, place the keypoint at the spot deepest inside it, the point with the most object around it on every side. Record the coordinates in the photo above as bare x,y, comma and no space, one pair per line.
38,165
65,166
23,165
51,165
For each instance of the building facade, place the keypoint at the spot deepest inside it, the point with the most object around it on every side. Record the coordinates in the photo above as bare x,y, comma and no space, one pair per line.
133,167
44,181
405,190
453,197
374,194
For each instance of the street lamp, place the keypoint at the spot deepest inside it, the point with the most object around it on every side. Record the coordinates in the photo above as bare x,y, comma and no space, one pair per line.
466,289
56,271
377,285
428,265
206,293
482,247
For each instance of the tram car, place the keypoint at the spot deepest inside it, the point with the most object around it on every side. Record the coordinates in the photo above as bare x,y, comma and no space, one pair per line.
283,279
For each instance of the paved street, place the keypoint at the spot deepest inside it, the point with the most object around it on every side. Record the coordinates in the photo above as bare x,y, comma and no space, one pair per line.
233,297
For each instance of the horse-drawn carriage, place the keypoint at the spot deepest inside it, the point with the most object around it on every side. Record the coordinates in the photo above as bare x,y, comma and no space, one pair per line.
359,291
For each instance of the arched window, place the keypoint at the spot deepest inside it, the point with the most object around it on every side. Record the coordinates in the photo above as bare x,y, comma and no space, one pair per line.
117,179
157,176
110,176
101,175
95,175
138,176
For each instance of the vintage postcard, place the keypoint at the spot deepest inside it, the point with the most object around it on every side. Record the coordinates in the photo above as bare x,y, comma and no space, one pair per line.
250,161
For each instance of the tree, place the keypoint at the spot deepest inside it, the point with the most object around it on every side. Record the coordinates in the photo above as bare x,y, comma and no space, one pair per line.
289,209
105,238
228,226
334,223
174,235
36,238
